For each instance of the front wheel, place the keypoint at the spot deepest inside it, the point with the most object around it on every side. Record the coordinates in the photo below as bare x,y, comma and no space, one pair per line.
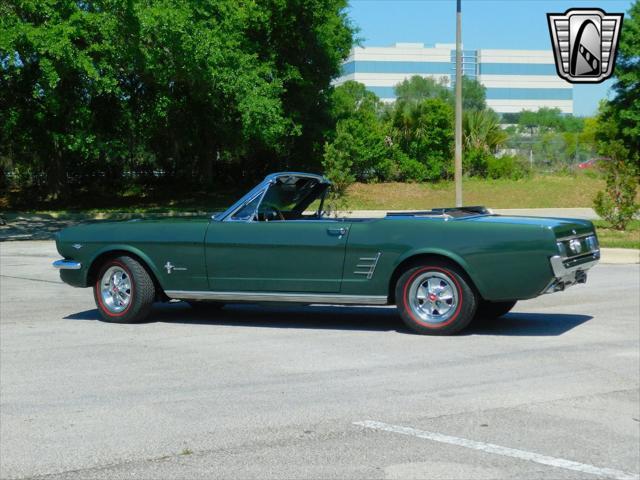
435,299
124,291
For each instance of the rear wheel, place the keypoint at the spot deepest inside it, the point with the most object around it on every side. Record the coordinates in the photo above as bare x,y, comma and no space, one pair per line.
488,311
124,291
435,299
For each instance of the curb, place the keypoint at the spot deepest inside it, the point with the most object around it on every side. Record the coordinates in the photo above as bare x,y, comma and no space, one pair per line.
617,256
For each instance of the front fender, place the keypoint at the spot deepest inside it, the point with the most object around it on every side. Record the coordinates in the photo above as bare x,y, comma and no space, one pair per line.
117,247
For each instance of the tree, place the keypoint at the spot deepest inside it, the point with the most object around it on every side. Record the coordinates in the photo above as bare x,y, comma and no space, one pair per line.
618,130
482,136
482,130
361,139
93,89
424,132
625,107
474,94
352,97
417,88
359,142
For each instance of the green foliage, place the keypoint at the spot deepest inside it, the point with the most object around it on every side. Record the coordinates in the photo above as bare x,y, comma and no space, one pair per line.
352,97
617,131
617,203
555,142
625,107
474,94
337,167
548,119
362,140
360,136
475,161
508,166
411,140
424,132
410,169
481,130
417,88
511,118
91,90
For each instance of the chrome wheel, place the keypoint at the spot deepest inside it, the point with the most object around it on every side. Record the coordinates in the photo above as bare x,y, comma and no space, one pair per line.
115,289
433,297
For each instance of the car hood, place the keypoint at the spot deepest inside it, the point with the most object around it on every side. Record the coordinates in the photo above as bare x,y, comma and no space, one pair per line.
562,227
177,228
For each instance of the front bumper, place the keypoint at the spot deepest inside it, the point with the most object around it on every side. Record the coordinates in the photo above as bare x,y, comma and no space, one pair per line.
71,272
568,272
67,265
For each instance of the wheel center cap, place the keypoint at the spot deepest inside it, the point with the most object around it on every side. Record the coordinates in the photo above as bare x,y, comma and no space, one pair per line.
432,297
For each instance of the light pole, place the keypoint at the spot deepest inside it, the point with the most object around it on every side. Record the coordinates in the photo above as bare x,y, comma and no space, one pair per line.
458,139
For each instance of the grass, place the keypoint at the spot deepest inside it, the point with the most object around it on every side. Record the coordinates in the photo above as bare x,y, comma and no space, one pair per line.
542,191
610,238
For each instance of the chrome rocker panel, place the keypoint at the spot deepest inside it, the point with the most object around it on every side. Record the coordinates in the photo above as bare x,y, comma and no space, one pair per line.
67,265
307,298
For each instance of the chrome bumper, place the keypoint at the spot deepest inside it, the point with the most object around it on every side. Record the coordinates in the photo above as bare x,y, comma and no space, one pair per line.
571,273
67,265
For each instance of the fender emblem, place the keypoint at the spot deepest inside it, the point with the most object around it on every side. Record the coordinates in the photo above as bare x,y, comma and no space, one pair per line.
170,267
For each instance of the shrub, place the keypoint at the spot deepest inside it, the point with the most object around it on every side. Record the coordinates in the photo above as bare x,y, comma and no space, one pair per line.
617,203
475,162
508,166
337,167
410,169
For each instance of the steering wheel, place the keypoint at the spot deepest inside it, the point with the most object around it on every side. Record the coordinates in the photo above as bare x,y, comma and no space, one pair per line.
273,212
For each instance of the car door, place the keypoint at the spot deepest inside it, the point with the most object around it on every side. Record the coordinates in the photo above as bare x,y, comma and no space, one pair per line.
276,256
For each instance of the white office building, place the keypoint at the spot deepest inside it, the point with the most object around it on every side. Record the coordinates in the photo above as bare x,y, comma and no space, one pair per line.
515,80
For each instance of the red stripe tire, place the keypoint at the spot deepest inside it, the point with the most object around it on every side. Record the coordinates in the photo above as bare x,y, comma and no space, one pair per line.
435,298
123,290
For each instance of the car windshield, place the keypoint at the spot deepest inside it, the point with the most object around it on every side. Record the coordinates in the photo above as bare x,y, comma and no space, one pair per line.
290,194
287,198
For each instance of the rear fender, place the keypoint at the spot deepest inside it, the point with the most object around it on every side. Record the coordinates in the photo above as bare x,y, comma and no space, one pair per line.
452,256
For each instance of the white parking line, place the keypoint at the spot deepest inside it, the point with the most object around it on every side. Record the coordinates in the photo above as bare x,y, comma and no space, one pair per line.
504,451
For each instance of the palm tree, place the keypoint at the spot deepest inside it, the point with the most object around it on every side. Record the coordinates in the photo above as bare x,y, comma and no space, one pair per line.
482,130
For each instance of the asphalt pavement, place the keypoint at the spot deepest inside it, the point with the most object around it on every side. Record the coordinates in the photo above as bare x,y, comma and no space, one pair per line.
550,391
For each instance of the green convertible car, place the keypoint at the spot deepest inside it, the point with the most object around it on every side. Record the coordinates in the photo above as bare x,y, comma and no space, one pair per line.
441,267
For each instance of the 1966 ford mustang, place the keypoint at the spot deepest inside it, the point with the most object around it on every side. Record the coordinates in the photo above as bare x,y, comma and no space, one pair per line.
441,267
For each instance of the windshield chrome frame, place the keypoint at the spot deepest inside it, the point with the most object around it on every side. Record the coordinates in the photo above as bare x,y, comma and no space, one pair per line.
260,190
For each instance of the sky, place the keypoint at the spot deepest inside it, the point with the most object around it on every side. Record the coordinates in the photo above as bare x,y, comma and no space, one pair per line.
500,24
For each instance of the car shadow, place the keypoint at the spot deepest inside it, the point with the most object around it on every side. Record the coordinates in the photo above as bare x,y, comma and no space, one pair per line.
329,317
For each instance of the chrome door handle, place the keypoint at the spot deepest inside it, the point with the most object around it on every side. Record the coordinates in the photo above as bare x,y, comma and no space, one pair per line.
338,231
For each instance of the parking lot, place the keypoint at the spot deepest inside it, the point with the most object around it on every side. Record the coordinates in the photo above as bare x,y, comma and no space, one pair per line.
549,391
